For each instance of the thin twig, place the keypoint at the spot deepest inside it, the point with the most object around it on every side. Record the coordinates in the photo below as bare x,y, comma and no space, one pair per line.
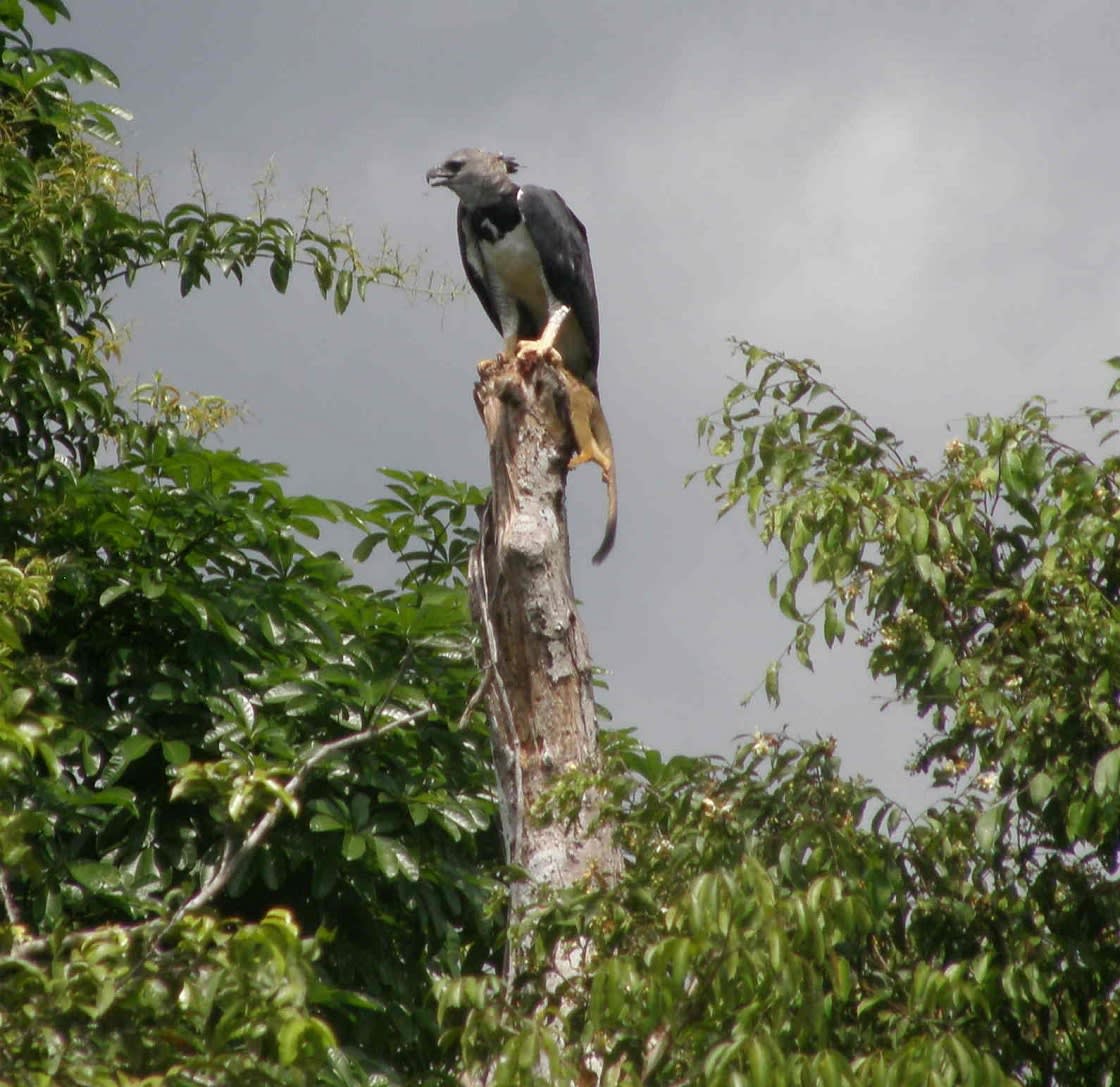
478,574
473,701
11,906
492,642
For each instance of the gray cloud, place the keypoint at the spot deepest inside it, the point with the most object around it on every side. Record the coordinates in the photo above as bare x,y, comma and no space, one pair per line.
919,196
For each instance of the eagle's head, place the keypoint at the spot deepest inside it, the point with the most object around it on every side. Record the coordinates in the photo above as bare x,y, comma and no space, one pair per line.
477,177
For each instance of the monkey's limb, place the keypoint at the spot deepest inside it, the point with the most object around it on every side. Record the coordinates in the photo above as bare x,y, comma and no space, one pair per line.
593,443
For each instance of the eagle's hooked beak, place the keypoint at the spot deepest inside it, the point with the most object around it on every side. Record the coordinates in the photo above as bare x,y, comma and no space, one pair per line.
438,175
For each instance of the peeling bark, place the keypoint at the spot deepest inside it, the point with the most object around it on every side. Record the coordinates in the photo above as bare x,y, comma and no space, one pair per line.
539,697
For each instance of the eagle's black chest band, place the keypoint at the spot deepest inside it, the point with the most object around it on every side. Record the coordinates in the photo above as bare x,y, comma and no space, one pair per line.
495,221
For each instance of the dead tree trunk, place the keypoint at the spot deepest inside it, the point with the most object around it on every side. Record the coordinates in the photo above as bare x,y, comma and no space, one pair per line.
539,697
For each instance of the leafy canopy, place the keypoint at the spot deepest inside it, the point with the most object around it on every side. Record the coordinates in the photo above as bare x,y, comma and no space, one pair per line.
245,812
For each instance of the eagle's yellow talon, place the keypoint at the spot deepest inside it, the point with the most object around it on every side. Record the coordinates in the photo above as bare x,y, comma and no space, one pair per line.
538,350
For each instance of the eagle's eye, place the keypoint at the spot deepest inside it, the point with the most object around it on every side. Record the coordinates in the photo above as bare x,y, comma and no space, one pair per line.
453,165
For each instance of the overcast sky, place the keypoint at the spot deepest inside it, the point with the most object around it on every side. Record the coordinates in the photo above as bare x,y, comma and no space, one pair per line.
921,196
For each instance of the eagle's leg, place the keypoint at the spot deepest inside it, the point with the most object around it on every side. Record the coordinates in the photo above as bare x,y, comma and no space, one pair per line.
509,348
545,346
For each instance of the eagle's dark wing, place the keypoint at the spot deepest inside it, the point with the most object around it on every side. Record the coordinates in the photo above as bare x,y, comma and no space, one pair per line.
561,241
472,265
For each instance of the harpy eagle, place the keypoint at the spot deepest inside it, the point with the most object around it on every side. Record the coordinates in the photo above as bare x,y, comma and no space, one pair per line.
526,256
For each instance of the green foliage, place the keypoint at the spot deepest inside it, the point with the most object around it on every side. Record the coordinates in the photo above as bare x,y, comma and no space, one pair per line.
989,593
193,659
244,816
240,991
759,937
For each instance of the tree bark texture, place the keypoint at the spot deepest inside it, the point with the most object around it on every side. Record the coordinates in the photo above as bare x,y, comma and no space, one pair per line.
539,697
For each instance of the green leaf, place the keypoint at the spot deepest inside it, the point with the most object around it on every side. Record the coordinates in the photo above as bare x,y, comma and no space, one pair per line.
342,291
324,275
1042,785
772,694
45,251
941,659
989,827
394,859
96,876
288,1041
354,846
113,592
1106,775
834,625
919,534
176,752
365,547
17,701
759,1058
135,747
279,272
827,415
787,603
1079,818
243,708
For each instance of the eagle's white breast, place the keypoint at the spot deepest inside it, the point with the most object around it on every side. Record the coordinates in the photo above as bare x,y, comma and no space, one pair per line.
513,268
